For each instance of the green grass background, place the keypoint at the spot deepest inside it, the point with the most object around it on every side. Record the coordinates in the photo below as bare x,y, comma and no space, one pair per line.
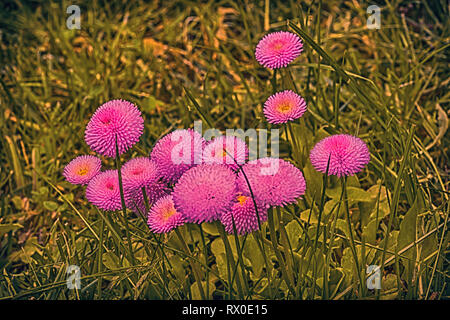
389,86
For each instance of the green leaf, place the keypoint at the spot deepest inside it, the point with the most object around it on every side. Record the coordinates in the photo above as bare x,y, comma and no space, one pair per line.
255,257
17,201
370,232
210,228
24,254
50,205
112,262
407,235
5,228
218,250
353,193
429,246
343,226
294,232
389,288
307,215
313,181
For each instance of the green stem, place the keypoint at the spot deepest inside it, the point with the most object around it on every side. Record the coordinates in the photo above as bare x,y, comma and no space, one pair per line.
336,89
124,208
230,258
205,253
274,81
289,256
100,260
258,238
260,242
350,230
319,219
291,78
194,266
295,146
240,259
273,238
330,247
146,203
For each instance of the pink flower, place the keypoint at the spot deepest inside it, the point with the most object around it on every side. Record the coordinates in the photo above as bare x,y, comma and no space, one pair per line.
163,217
204,192
278,49
348,155
139,173
274,182
244,215
226,150
177,152
284,106
82,169
114,118
103,191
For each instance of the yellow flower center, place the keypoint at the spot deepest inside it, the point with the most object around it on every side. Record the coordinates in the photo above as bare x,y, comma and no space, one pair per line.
83,171
242,199
285,107
166,214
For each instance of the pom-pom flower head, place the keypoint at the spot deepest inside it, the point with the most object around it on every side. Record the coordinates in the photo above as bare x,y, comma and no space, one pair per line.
163,217
284,106
274,182
278,49
228,150
115,118
103,191
244,215
348,155
204,192
177,152
82,169
139,173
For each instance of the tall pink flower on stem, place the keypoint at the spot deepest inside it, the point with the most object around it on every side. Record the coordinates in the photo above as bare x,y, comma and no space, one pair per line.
284,106
141,174
228,150
82,169
177,152
278,49
115,119
103,191
163,217
347,154
343,155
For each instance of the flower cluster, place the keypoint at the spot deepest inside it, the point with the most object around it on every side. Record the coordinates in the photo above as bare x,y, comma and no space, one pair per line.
189,180
185,179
